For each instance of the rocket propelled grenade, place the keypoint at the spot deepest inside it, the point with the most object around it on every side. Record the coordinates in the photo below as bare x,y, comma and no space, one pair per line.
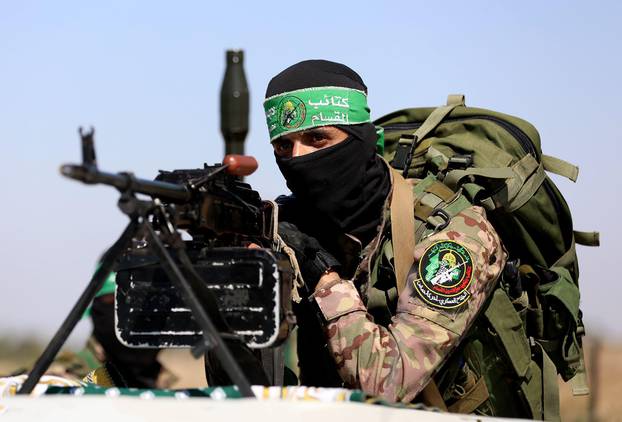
234,103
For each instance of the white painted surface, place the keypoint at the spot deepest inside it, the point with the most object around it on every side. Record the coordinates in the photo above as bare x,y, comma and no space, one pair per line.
133,409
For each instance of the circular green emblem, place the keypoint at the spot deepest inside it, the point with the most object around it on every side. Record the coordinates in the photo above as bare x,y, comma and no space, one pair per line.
445,273
292,112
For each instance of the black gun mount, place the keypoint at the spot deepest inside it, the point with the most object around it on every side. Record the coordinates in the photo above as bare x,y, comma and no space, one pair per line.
174,292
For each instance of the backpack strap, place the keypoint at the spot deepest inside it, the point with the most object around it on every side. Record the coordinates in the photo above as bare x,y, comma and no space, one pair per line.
403,228
587,238
454,177
403,241
522,179
435,205
472,399
579,381
537,378
560,167
407,142
582,238
431,396
550,388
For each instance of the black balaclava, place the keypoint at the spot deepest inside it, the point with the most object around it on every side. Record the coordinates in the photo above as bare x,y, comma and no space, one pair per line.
346,184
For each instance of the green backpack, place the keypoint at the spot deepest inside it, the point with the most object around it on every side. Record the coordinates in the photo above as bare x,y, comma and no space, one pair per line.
496,161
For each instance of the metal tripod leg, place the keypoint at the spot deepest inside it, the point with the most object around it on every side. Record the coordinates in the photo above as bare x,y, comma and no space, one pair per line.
97,281
211,336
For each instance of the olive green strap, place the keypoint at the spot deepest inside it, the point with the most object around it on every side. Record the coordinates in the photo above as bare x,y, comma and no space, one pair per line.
457,205
522,180
441,190
560,167
420,186
422,212
432,155
472,190
430,200
550,389
453,178
435,118
568,257
507,325
579,381
587,238
455,100
527,188
402,227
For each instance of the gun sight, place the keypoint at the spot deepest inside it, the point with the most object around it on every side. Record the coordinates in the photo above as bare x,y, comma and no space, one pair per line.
88,147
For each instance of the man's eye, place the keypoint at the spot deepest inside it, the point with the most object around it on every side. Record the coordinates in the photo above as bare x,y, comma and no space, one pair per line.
318,137
281,147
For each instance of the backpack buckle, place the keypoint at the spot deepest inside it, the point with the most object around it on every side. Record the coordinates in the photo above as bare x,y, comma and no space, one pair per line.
439,214
460,162
404,153
512,279
399,160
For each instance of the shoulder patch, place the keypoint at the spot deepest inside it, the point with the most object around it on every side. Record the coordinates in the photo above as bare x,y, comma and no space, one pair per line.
445,273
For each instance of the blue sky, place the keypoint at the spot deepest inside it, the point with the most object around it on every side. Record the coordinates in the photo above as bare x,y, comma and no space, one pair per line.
147,76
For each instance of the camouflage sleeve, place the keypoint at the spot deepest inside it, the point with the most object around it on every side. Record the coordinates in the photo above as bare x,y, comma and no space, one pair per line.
454,270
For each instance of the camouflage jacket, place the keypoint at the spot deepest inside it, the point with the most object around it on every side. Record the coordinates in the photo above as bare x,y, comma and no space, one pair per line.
453,272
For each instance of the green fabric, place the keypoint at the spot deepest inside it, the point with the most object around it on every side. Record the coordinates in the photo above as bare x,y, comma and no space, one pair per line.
109,285
560,302
536,379
564,290
379,140
306,108
508,326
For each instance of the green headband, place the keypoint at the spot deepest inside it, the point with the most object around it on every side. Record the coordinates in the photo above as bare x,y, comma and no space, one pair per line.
303,109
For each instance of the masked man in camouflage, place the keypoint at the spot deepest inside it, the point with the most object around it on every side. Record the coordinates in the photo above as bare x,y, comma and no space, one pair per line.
381,310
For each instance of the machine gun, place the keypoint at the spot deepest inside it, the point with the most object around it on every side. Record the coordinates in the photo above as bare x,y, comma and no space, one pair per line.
199,292
173,292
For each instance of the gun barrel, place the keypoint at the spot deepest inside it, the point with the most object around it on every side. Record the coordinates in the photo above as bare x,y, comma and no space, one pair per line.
124,181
